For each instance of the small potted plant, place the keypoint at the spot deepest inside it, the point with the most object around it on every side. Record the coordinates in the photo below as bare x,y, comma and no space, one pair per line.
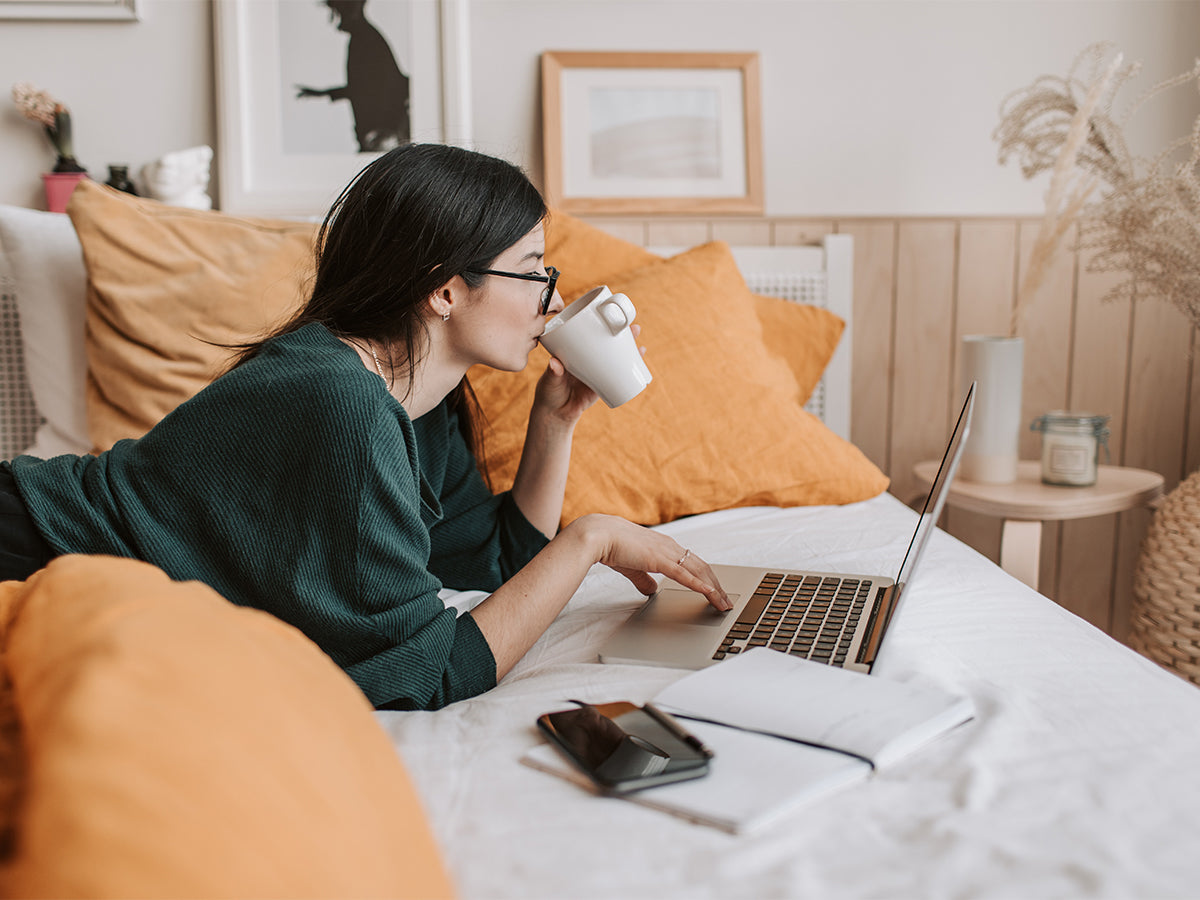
55,119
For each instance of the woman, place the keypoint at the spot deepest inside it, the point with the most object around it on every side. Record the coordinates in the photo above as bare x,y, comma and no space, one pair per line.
327,477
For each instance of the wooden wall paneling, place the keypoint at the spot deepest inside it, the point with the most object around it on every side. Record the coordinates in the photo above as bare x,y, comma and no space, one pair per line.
1100,364
1154,431
631,230
1087,569
1045,324
793,232
678,232
743,233
1088,547
987,255
1158,390
985,293
923,340
872,364
1131,531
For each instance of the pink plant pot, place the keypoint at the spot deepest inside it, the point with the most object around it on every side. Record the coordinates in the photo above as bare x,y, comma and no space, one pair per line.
59,186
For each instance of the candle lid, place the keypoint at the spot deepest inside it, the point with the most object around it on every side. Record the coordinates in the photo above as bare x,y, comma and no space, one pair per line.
1078,422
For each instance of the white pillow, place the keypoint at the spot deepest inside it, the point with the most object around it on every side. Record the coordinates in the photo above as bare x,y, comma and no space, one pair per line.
50,283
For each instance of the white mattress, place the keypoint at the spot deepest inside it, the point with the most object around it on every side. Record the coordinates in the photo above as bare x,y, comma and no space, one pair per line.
1079,777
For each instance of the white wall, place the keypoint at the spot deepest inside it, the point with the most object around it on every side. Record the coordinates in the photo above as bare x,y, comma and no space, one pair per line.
883,107
871,106
136,90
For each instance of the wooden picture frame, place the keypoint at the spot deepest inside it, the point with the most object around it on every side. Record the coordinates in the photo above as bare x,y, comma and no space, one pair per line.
282,155
634,133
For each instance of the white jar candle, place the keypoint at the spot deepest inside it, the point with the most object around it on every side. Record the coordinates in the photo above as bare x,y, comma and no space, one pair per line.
1070,446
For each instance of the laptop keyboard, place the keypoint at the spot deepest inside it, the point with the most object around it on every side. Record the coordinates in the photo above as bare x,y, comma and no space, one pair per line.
813,617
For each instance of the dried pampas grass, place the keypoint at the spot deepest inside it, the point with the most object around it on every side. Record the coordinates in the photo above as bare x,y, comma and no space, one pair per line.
1147,224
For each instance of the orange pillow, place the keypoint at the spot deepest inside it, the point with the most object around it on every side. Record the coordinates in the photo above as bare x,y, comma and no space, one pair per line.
166,284
587,255
718,427
804,336
176,745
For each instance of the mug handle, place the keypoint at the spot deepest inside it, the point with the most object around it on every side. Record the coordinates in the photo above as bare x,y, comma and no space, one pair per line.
617,312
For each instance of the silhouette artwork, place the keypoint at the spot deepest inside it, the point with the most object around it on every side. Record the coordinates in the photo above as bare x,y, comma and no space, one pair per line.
375,86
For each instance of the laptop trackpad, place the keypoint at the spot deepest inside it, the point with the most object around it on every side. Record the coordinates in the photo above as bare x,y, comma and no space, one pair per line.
678,607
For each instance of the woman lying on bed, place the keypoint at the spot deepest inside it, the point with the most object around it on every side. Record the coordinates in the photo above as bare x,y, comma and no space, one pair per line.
328,476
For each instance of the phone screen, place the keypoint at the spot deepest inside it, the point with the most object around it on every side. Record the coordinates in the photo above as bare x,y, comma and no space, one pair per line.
623,747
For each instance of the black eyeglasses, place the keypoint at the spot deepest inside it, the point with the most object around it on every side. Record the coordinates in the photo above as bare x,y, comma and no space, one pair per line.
549,279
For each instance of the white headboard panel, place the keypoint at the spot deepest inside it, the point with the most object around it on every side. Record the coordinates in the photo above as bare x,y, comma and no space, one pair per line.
19,418
819,275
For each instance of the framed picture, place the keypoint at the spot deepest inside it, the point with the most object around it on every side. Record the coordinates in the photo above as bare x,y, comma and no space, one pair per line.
652,132
69,10
308,93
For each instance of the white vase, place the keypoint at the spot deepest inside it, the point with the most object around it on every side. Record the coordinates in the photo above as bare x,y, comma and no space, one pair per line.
995,364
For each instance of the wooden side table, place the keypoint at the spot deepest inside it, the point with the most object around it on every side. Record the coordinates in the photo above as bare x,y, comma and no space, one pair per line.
1026,503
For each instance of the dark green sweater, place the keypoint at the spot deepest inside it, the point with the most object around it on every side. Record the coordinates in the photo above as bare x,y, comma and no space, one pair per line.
298,485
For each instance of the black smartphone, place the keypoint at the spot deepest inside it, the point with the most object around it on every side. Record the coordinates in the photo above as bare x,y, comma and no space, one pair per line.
623,747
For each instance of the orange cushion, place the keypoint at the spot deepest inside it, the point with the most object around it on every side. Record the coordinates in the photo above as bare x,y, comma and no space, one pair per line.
164,285
177,745
718,427
802,335
588,255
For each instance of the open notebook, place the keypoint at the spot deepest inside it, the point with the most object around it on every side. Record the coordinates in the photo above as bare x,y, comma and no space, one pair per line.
784,732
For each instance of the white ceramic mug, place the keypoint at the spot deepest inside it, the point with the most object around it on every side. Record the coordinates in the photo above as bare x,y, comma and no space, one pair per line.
592,339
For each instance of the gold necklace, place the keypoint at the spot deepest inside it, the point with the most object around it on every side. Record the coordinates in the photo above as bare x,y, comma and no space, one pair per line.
378,364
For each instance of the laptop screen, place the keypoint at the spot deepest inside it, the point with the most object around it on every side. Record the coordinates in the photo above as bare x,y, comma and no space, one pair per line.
937,491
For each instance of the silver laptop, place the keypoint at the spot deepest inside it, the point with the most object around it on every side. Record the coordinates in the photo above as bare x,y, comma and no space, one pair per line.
831,618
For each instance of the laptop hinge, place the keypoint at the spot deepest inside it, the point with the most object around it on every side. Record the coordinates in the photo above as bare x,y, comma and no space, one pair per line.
881,615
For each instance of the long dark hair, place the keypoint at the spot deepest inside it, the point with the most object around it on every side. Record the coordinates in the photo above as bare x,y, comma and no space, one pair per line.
408,223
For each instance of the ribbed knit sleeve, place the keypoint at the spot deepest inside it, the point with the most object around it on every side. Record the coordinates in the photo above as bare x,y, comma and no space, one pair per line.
478,540
291,484
428,658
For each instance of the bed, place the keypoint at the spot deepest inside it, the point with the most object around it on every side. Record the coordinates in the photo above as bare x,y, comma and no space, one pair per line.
1076,778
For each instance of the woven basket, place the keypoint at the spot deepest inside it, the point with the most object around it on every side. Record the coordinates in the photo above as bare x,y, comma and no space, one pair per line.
1166,585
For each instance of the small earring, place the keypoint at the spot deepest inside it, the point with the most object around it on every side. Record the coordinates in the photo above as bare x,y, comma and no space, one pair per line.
445,317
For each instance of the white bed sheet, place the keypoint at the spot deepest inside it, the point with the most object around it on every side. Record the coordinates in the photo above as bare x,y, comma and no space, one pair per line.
1079,777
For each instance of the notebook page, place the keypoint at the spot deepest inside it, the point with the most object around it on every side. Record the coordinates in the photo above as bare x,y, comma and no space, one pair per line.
774,693
752,780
